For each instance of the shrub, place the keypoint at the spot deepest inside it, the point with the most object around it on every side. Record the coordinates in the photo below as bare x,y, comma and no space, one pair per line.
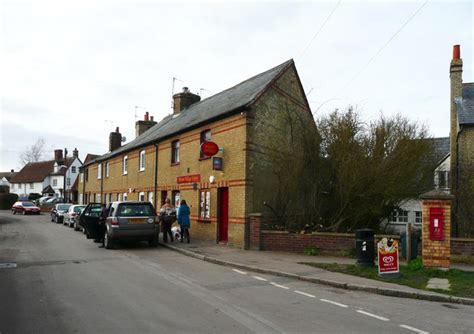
7,201
415,265
311,251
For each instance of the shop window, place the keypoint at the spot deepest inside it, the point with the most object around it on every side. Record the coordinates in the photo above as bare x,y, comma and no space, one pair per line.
175,152
205,136
205,204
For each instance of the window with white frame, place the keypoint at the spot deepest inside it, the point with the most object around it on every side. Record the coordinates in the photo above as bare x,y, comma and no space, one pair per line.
399,216
418,217
55,182
31,185
175,152
141,196
107,167
125,165
150,197
99,171
81,177
73,169
205,204
125,196
119,197
98,198
141,162
68,181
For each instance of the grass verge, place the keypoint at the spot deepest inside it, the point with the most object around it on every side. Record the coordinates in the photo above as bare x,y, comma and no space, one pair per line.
415,276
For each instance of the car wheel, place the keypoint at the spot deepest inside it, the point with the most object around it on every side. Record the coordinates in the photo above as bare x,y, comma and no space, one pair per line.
108,242
153,242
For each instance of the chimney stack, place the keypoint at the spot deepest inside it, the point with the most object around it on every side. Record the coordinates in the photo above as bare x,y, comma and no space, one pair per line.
455,75
58,155
115,140
75,153
183,100
142,126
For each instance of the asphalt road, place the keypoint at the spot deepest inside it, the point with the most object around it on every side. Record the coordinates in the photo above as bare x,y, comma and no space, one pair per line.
63,283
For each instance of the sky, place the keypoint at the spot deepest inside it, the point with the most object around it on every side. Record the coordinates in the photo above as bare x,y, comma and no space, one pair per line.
72,71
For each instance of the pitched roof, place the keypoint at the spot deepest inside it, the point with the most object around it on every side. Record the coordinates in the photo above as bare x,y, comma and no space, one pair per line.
465,105
90,157
34,172
7,175
441,148
219,105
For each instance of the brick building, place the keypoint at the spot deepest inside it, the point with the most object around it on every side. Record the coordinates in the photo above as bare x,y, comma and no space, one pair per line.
165,160
462,148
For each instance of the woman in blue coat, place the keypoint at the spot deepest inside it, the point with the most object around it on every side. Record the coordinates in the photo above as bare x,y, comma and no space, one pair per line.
183,221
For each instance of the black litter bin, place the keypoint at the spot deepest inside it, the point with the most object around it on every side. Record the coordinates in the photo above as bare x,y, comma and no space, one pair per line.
415,238
365,247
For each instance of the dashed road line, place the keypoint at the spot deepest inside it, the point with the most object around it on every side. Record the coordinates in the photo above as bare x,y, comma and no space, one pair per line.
240,271
334,303
279,286
304,294
414,329
373,315
260,278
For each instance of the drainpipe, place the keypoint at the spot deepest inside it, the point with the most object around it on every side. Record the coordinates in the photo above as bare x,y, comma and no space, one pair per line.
102,183
83,186
155,196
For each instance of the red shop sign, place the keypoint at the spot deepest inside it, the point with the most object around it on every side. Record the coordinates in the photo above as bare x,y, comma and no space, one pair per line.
209,148
188,179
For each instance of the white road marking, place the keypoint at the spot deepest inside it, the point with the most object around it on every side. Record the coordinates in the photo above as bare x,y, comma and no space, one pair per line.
279,286
373,315
334,303
414,329
260,278
7,266
240,271
304,294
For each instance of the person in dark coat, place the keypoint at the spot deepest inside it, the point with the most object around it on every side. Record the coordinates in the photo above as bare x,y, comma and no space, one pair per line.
167,217
102,229
183,221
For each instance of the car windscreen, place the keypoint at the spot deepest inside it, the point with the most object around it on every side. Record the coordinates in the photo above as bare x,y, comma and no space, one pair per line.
78,209
135,209
27,204
64,207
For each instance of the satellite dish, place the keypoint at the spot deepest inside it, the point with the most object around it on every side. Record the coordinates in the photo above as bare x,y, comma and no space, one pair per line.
124,139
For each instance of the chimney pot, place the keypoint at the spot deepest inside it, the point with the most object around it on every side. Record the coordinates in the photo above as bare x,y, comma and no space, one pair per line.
147,116
117,129
457,51
151,118
12,170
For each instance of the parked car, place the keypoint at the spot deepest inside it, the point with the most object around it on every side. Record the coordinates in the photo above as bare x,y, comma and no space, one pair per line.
72,213
54,200
58,211
25,207
125,221
40,200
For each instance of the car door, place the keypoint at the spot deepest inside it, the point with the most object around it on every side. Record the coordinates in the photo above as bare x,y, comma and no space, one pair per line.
89,219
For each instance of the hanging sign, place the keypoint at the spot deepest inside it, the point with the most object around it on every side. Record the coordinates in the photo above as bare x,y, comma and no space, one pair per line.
216,163
209,148
387,250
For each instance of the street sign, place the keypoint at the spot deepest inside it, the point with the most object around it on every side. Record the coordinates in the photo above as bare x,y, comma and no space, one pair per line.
209,148
388,263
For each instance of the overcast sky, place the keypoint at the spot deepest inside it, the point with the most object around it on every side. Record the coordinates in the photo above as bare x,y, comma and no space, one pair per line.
71,71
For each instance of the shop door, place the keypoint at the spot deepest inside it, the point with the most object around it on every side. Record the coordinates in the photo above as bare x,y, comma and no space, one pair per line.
223,214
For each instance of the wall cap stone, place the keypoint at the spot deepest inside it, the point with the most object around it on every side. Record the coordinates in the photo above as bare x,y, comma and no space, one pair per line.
256,214
437,194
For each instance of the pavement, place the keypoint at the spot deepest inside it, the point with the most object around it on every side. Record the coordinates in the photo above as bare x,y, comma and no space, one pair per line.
288,265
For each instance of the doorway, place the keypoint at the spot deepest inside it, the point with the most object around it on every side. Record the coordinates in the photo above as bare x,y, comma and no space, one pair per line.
223,220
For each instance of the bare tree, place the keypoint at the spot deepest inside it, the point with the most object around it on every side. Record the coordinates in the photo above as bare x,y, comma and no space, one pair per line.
33,153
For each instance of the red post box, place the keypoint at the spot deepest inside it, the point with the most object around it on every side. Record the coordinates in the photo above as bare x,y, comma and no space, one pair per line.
436,224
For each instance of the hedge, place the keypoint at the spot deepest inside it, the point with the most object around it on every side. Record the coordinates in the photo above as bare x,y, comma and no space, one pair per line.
7,201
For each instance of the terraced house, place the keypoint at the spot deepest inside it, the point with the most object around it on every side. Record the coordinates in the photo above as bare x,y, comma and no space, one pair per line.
165,159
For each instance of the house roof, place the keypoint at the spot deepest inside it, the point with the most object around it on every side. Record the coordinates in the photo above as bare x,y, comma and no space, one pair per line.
219,105
465,105
441,148
90,157
7,175
34,172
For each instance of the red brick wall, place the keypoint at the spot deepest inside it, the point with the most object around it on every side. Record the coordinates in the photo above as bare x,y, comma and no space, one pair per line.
462,246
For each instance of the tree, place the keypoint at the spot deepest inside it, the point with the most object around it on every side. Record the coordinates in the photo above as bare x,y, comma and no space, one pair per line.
34,153
370,169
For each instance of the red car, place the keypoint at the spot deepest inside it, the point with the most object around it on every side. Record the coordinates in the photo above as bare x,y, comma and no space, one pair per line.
25,208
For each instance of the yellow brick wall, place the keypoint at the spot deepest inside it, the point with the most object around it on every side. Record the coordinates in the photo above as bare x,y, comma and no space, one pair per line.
436,253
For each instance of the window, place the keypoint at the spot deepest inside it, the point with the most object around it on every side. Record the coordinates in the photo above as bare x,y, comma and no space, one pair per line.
150,197
443,179
141,162
399,216
81,177
31,185
81,198
175,152
205,136
13,185
110,198
99,171
55,182
205,204
68,181
119,197
141,196
73,169
125,165
175,198
107,167
418,217
86,174
125,196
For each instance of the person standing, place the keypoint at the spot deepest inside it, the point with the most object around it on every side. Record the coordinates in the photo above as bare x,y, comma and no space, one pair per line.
183,221
167,217
102,228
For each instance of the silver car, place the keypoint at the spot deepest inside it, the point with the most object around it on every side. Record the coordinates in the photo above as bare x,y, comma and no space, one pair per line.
71,217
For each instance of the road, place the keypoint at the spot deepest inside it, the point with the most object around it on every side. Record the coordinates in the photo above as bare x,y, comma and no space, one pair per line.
63,283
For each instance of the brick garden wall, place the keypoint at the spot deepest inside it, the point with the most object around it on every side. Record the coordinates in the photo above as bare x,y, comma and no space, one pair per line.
461,246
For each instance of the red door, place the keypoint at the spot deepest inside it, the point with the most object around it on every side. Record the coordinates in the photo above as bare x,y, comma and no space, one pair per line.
223,214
